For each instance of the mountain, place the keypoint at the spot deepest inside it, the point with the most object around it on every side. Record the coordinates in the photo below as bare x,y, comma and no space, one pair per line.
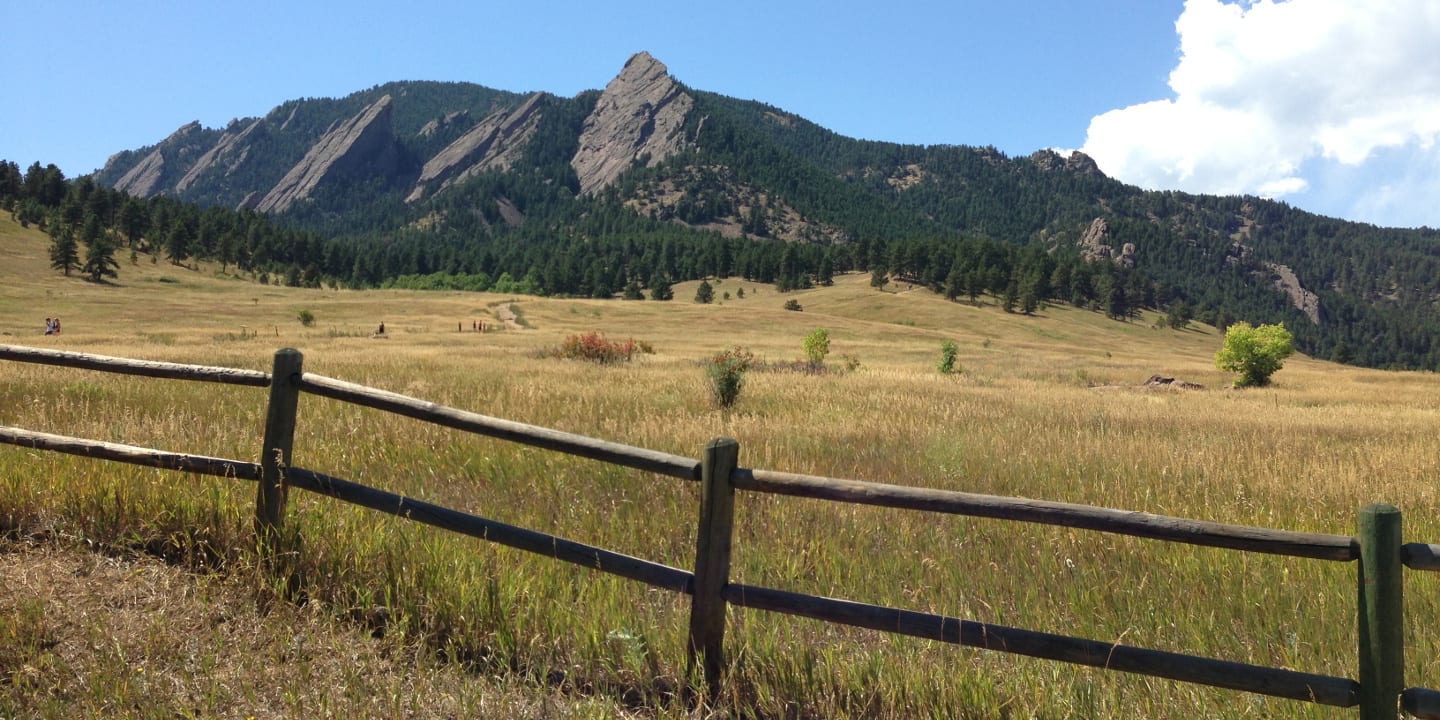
649,178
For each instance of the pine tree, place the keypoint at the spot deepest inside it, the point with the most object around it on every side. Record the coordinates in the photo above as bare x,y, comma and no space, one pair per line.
100,260
660,289
705,294
64,253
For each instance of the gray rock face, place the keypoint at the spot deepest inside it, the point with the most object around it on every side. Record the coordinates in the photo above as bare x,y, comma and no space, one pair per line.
638,115
496,142
230,148
147,178
365,141
1286,281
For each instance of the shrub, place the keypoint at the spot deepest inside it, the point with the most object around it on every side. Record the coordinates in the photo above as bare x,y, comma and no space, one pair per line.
793,304
726,372
817,346
948,350
595,347
1254,352
305,317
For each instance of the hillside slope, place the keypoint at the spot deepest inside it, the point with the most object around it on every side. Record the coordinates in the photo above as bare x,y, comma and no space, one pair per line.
462,178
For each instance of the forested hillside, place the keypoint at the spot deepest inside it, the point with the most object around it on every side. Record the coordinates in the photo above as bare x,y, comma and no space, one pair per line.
457,185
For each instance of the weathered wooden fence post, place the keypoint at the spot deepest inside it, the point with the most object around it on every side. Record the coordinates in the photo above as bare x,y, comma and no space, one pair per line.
1381,616
712,560
275,455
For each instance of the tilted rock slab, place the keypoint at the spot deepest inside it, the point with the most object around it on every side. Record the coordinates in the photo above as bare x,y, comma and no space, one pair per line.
230,144
363,141
147,177
497,142
639,114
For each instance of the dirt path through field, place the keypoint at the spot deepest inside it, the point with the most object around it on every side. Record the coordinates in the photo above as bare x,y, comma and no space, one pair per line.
506,313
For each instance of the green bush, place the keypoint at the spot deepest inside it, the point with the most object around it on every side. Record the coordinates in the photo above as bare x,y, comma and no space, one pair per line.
948,351
305,317
793,304
1254,352
817,346
726,372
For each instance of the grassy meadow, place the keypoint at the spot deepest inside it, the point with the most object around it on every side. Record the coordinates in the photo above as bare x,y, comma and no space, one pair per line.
1045,407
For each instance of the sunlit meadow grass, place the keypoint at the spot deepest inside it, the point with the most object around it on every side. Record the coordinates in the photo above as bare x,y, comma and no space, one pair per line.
1046,407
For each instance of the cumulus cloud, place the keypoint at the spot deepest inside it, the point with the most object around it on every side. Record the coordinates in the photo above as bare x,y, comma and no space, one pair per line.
1267,95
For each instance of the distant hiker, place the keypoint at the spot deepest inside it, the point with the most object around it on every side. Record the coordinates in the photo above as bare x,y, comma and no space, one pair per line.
49,326
381,330
57,326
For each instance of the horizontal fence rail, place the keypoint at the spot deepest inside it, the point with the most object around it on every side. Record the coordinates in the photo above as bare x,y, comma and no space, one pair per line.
611,452
1321,689
576,553
1085,517
1377,547
131,454
126,366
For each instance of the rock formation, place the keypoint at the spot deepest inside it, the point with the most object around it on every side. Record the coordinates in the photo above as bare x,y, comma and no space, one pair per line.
147,177
230,147
497,142
1285,280
638,116
365,141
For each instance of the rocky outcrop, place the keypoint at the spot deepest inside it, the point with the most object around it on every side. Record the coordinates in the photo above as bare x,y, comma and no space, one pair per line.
445,122
148,176
497,142
231,149
1093,245
1286,281
365,142
637,117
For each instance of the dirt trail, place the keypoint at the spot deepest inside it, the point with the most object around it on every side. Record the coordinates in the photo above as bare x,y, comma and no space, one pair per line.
506,314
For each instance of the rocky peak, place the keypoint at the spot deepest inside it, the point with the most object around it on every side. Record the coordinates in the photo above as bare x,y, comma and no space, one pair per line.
637,116
364,142
496,142
146,178
231,149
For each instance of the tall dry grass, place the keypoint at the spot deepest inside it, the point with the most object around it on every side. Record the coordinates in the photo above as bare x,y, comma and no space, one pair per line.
1046,408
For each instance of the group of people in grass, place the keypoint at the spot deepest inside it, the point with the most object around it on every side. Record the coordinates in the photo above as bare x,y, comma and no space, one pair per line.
52,326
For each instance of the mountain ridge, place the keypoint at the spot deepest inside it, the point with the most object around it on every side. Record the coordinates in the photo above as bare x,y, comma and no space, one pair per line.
478,175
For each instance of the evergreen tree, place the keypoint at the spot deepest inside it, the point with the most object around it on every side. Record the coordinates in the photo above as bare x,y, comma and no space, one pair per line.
64,253
705,294
660,289
632,291
100,260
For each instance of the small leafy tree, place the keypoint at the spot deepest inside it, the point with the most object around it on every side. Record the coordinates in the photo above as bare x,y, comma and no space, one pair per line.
948,351
305,317
817,346
793,304
726,372
1254,352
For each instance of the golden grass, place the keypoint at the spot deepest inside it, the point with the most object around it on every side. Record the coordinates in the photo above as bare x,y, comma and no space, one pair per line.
1045,407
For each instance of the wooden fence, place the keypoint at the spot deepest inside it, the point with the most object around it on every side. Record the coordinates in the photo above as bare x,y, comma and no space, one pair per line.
1377,546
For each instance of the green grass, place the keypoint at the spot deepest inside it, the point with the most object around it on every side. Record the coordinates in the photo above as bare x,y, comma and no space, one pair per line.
1047,408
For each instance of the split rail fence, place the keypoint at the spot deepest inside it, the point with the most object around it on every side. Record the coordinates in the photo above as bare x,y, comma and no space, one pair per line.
1379,691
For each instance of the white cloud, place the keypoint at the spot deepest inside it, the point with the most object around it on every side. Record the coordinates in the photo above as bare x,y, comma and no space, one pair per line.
1265,89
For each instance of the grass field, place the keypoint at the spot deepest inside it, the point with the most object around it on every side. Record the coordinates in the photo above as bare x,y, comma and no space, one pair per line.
1045,407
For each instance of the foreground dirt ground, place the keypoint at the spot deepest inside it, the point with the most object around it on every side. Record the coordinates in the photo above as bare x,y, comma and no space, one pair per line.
85,634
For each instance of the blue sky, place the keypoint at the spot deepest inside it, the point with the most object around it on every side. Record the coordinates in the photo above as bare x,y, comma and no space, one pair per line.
1200,95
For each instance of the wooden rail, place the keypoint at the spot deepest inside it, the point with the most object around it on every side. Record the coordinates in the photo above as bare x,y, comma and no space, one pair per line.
1377,547
1086,517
